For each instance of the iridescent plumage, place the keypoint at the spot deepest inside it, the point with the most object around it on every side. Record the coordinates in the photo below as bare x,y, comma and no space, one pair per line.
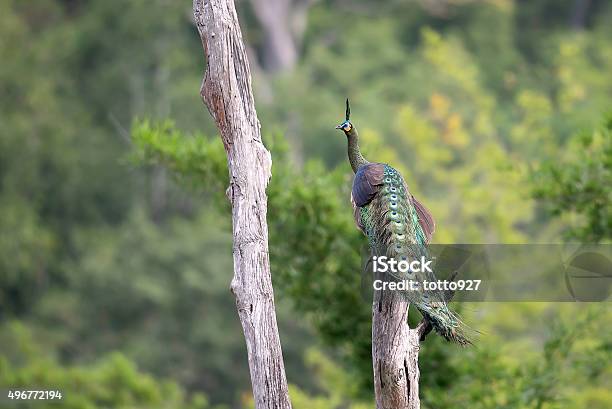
398,226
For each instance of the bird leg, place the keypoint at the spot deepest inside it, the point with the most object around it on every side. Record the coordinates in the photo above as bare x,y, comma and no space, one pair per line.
424,328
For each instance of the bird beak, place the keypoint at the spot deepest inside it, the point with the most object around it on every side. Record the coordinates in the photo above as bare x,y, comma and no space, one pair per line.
339,126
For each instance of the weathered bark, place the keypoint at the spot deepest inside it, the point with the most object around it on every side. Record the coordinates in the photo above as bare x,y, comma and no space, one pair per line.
226,91
395,353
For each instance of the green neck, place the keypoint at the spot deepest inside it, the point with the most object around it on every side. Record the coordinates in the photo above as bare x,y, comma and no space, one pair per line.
355,157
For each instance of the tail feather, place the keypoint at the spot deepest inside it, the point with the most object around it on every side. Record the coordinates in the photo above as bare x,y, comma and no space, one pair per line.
446,324
400,228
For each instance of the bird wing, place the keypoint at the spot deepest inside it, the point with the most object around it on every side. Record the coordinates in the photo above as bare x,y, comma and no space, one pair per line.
368,181
357,216
426,220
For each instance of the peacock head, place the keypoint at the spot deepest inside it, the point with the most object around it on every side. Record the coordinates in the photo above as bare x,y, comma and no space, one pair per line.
346,126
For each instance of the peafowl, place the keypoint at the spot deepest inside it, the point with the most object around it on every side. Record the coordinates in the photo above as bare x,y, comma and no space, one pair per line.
397,226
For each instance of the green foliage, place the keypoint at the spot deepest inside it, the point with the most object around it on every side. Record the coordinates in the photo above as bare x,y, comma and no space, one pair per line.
111,382
314,246
578,185
464,144
315,261
562,375
315,252
178,295
464,97
25,246
194,157
336,387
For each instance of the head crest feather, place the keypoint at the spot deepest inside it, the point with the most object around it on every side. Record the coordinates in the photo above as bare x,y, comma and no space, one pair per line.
348,110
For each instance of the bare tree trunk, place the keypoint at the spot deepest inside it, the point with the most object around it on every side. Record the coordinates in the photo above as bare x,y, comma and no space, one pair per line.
395,353
283,23
226,90
579,14
279,49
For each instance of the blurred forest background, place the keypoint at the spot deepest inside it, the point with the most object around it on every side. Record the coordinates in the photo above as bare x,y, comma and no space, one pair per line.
115,235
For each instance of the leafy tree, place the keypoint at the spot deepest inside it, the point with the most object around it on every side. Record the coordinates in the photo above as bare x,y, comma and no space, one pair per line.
578,186
316,263
97,254
111,382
